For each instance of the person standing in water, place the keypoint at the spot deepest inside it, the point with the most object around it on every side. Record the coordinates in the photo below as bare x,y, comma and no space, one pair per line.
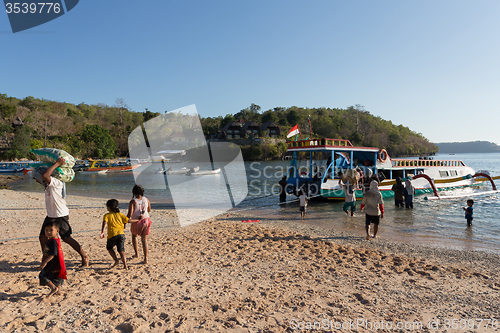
468,212
398,189
409,193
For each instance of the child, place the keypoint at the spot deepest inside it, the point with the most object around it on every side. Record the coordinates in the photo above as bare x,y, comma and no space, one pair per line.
468,212
350,197
53,269
303,205
138,209
116,223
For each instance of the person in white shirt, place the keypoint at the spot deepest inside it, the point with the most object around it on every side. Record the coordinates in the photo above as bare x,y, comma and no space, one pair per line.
55,204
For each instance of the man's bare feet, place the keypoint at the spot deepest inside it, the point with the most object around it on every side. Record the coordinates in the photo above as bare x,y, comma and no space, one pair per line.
374,236
367,237
116,263
85,261
135,256
54,291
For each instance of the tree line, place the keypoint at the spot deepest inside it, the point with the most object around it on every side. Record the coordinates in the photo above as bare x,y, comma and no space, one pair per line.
101,131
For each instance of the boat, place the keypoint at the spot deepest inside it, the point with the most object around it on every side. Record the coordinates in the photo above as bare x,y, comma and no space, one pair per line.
182,171
13,167
337,157
204,172
110,166
80,165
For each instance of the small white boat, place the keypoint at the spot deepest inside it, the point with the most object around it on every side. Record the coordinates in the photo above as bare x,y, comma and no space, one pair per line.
182,171
205,172
99,172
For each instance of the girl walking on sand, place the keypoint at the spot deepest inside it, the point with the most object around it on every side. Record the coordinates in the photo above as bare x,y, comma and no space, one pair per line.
138,209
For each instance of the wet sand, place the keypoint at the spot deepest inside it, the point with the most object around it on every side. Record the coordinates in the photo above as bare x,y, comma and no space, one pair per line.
223,275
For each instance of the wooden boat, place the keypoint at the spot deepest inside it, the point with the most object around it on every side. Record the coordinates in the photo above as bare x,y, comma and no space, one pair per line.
13,167
321,177
108,166
204,172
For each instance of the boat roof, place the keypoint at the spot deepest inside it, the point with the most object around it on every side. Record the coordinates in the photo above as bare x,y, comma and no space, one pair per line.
327,145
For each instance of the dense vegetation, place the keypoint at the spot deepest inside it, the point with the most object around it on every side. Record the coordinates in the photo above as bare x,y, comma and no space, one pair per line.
353,123
101,131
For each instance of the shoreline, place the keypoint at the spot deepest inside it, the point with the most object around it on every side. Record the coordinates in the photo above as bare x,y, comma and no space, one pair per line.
222,275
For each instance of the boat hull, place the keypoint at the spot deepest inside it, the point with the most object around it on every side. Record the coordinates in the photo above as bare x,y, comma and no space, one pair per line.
112,169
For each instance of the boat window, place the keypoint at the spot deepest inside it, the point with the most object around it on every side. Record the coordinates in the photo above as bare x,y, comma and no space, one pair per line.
443,173
453,173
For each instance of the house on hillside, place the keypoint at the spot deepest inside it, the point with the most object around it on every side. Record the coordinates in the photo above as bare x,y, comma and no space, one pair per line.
232,130
273,131
250,129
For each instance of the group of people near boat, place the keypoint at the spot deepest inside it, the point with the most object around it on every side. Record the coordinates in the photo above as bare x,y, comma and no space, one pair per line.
52,266
372,201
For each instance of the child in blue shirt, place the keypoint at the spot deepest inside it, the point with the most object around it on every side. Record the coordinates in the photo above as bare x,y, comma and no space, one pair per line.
468,212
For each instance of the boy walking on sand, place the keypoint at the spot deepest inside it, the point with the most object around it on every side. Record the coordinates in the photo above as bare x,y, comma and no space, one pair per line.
468,212
53,269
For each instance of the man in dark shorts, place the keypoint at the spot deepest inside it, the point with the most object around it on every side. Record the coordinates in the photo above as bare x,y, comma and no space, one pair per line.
372,200
55,203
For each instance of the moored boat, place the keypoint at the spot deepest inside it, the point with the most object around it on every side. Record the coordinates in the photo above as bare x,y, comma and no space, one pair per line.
204,172
109,166
329,159
19,166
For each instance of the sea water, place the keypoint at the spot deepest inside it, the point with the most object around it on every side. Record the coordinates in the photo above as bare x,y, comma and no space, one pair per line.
434,223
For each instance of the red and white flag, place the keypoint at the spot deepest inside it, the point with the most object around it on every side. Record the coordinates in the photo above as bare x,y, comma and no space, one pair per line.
293,131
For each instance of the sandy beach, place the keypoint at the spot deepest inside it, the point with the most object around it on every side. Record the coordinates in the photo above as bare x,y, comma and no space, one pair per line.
223,275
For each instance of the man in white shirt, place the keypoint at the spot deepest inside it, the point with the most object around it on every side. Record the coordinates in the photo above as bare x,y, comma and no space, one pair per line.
55,204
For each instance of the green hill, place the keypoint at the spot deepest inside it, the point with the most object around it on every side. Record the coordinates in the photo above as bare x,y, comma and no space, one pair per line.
468,147
102,131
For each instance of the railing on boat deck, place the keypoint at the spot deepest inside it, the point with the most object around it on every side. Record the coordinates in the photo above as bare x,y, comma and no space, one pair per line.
319,142
426,163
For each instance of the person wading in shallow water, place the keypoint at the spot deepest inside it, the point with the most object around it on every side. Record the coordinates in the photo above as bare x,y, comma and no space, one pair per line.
374,203
55,204
283,185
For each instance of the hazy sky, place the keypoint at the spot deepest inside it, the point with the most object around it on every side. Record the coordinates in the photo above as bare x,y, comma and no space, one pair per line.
430,65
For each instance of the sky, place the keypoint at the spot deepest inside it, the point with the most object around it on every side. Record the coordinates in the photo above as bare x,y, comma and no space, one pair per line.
432,66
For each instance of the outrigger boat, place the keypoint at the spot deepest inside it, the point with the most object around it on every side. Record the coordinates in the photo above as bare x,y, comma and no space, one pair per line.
328,159
101,166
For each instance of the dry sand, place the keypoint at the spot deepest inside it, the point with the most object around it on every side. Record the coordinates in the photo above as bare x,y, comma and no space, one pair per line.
227,276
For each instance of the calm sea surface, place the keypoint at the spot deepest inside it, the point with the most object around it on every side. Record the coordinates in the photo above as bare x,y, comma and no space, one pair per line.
435,223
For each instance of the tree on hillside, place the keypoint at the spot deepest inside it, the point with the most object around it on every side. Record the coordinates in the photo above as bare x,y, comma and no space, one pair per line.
293,117
98,142
20,145
269,116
